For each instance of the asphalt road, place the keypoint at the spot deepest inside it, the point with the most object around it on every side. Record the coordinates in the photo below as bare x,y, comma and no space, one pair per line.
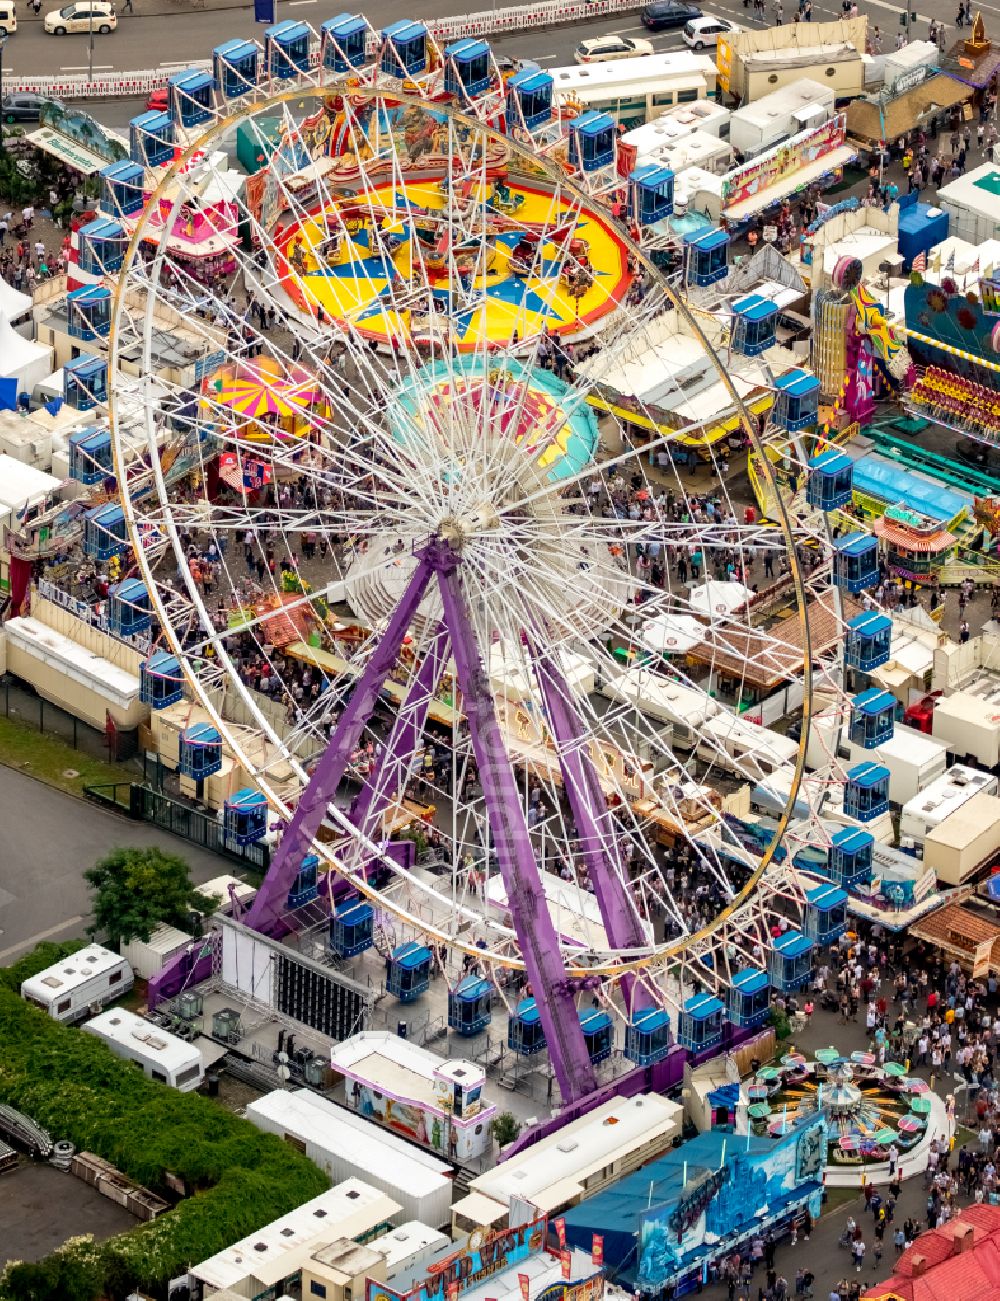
150,37
48,841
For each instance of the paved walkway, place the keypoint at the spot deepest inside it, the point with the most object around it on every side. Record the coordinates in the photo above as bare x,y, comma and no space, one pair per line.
48,841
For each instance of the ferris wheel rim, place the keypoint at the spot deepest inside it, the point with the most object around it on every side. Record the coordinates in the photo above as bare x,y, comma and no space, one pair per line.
655,955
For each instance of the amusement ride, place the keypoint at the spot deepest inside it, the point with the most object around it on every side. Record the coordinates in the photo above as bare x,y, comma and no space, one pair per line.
446,625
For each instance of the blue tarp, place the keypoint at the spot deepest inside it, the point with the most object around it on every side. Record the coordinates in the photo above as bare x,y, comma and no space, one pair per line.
891,483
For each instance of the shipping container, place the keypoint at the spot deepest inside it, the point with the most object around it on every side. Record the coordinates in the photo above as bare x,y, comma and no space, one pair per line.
348,1146
969,726
147,957
966,842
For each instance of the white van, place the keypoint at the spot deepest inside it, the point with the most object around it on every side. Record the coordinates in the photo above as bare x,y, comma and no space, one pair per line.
163,1057
69,989
8,18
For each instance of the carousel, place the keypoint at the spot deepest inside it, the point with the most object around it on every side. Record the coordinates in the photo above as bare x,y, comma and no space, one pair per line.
867,1108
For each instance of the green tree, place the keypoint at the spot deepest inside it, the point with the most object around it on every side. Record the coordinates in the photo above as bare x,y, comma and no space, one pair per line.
505,1128
136,890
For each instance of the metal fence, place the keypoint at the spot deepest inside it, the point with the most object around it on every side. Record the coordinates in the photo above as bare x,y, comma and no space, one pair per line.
22,705
198,827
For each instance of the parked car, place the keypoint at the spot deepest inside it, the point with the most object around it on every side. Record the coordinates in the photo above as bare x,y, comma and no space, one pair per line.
23,107
8,18
659,15
83,16
600,48
706,31
158,100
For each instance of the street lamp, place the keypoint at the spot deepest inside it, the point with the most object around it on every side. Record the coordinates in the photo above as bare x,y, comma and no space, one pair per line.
3,42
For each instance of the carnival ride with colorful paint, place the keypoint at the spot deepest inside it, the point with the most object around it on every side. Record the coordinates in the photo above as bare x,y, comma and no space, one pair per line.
452,576
866,1108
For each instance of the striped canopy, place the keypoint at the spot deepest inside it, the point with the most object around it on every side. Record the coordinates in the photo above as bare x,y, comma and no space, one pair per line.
264,388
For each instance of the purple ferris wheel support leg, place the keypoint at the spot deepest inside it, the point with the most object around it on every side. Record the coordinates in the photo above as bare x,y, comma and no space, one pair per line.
594,823
525,898
267,911
391,770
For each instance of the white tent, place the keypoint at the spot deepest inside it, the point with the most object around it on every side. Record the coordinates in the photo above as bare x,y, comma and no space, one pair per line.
21,359
12,302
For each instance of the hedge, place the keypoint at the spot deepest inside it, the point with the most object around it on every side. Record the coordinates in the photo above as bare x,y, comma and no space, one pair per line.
238,1178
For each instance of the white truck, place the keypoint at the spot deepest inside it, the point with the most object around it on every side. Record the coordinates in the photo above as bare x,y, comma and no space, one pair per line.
968,724
966,842
775,117
940,799
71,989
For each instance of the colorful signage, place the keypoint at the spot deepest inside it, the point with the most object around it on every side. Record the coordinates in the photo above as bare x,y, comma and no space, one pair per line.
989,295
484,1255
597,1249
724,63
771,168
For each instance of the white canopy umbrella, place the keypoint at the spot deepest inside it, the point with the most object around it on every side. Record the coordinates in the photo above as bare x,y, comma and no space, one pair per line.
718,598
672,634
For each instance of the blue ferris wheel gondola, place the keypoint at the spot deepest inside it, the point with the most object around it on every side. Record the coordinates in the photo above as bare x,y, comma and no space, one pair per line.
161,682
130,609
849,858
648,1037
748,998
189,95
344,42
352,928
200,751
235,64
470,1005
305,887
825,913
598,1033
90,456
868,641
245,817
409,971
701,1021
524,1029
790,961
287,49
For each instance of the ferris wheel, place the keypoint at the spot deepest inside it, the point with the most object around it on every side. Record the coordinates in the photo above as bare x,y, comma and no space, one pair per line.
482,637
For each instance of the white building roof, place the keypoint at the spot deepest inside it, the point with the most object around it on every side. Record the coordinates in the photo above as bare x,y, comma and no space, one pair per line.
272,1253
797,94
82,666
402,1067
132,1031
968,192
94,960
554,1171
398,1246
574,911
369,1147
543,1271
23,485
218,888
950,791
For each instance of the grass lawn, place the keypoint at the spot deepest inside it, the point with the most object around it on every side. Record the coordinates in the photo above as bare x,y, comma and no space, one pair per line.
54,761
837,1198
